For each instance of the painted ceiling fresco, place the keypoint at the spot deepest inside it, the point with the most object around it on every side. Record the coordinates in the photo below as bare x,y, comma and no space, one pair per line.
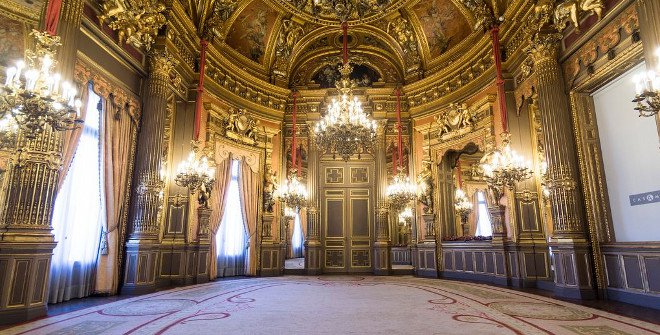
443,25
251,30
363,75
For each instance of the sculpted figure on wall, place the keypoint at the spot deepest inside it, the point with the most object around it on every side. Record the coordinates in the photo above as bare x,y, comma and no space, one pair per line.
425,196
457,121
240,126
565,12
270,185
569,11
289,35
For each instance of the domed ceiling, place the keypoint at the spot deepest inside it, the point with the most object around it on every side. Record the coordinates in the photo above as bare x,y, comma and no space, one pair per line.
297,43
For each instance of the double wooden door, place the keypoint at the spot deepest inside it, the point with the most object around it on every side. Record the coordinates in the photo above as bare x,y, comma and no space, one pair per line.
347,216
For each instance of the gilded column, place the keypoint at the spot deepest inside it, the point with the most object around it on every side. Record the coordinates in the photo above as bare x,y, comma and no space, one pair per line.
141,247
648,12
313,241
26,241
68,29
382,246
569,245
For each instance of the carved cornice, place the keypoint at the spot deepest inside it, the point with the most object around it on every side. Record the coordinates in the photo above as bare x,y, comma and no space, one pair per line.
108,89
618,42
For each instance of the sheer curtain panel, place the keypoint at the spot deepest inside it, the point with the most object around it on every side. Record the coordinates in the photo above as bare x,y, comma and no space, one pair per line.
231,238
79,214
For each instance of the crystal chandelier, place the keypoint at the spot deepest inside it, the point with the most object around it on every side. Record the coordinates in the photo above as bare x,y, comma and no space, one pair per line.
193,174
289,213
462,204
345,129
293,193
647,90
401,191
504,167
405,215
34,96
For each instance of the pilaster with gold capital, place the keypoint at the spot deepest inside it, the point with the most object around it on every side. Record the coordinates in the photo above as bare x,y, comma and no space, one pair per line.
147,198
569,239
560,151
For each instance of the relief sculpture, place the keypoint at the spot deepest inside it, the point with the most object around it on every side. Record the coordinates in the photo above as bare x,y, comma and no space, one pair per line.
569,11
459,120
240,126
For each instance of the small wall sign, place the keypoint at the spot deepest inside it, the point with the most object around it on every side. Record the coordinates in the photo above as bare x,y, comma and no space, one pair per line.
644,198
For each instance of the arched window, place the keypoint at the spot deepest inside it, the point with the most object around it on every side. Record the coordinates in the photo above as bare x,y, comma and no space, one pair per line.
79,214
483,217
232,238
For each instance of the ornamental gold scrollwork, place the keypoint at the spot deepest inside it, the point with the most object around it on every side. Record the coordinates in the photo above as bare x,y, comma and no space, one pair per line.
402,31
289,35
136,21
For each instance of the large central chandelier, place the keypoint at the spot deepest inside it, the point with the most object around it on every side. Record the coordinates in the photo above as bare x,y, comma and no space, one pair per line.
34,96
401,191
504,167
345,129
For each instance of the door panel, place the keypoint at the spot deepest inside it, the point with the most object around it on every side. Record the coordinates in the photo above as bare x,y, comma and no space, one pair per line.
347,216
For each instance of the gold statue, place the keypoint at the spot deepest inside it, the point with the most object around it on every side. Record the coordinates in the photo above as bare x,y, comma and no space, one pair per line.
425,196
568,12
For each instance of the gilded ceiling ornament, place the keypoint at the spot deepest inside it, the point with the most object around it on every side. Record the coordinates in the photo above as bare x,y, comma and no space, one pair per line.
401,29
222,11
483,14
136,21
342,10
290,34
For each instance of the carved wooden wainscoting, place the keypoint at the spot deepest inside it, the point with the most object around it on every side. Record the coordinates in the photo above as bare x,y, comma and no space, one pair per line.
347,216
633,272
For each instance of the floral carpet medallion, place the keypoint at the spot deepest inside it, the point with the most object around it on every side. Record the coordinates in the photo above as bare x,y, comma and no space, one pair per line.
338,305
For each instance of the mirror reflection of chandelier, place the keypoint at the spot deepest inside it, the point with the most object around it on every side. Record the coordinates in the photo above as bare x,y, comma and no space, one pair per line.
34,96
345,129
504,167
293,193
401,191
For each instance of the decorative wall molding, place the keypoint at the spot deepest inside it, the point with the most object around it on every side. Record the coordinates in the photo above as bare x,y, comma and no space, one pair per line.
85,71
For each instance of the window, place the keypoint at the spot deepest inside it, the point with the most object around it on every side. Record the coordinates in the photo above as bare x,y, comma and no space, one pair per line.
483,217
232,236
297,240
79,214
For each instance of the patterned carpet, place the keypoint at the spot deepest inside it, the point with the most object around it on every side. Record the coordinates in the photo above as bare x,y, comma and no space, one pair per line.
338,305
